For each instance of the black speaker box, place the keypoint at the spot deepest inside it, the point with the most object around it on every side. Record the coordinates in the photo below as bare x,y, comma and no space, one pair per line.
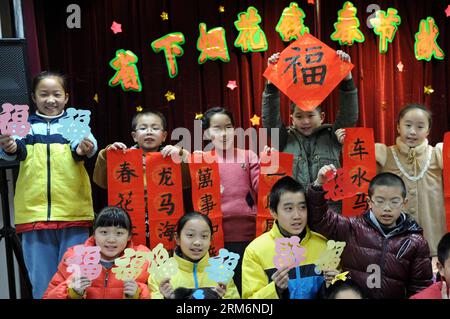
14,76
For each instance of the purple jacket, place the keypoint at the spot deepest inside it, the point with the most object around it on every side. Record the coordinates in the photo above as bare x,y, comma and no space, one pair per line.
402,256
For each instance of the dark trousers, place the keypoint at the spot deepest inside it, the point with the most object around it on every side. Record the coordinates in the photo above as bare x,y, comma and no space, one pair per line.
238,248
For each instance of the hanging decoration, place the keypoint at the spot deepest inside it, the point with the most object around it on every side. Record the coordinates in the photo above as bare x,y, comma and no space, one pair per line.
346,28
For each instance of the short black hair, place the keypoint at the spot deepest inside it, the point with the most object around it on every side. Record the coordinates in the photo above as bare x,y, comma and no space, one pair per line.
443,249
48,74
294,106
387,179
206,120
148,112
283,185
339,286
413,106
113,216
191,215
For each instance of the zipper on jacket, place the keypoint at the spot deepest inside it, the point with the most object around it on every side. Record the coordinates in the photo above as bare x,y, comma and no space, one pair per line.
383,255
403,249
298,281
49,196
106,279
195,276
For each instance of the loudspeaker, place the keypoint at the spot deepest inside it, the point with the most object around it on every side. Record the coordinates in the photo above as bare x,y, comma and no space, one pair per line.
14,76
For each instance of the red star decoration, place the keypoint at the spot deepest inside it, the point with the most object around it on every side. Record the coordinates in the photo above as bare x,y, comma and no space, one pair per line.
116,27
447,11
231,85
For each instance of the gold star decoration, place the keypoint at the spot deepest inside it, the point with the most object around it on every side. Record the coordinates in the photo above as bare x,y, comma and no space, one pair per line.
164,15
221,9
170,96
96,97
341,276
428,89
255,120
198,116
139,108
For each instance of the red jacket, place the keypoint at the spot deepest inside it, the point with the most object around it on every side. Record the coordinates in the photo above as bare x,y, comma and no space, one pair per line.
432,292
106,286
402,256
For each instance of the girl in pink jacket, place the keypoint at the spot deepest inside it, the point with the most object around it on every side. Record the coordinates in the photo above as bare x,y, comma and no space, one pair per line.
239,174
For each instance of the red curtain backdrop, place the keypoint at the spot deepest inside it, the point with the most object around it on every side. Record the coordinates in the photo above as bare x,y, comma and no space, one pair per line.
84,55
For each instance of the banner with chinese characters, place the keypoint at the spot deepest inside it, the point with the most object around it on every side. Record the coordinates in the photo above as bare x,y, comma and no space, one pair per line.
85,262
307,71
164,199
288,252
126,188
358,159
205,183
446,177
14,120
273,167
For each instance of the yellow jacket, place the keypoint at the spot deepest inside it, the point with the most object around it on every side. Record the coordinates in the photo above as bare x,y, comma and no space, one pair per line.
192,275
258,267
53,184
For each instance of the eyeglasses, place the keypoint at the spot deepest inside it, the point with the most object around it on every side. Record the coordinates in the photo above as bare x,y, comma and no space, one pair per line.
149,129
395,203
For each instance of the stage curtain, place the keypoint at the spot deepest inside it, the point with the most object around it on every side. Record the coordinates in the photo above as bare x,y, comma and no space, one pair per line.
84,55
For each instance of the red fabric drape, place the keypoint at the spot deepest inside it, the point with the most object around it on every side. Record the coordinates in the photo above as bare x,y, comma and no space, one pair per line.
84,55
33,49
383,90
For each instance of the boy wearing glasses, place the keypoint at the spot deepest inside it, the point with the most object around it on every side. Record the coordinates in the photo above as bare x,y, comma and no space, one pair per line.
386,253
149,132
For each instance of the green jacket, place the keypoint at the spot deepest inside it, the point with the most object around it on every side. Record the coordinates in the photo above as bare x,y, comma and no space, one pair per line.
323,144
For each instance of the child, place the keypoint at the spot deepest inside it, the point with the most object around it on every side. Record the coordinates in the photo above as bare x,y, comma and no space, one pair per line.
386,254
239,176
420,166
347,289
193,237
112,233
439,290
53,203
312,143
260,278
149,131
